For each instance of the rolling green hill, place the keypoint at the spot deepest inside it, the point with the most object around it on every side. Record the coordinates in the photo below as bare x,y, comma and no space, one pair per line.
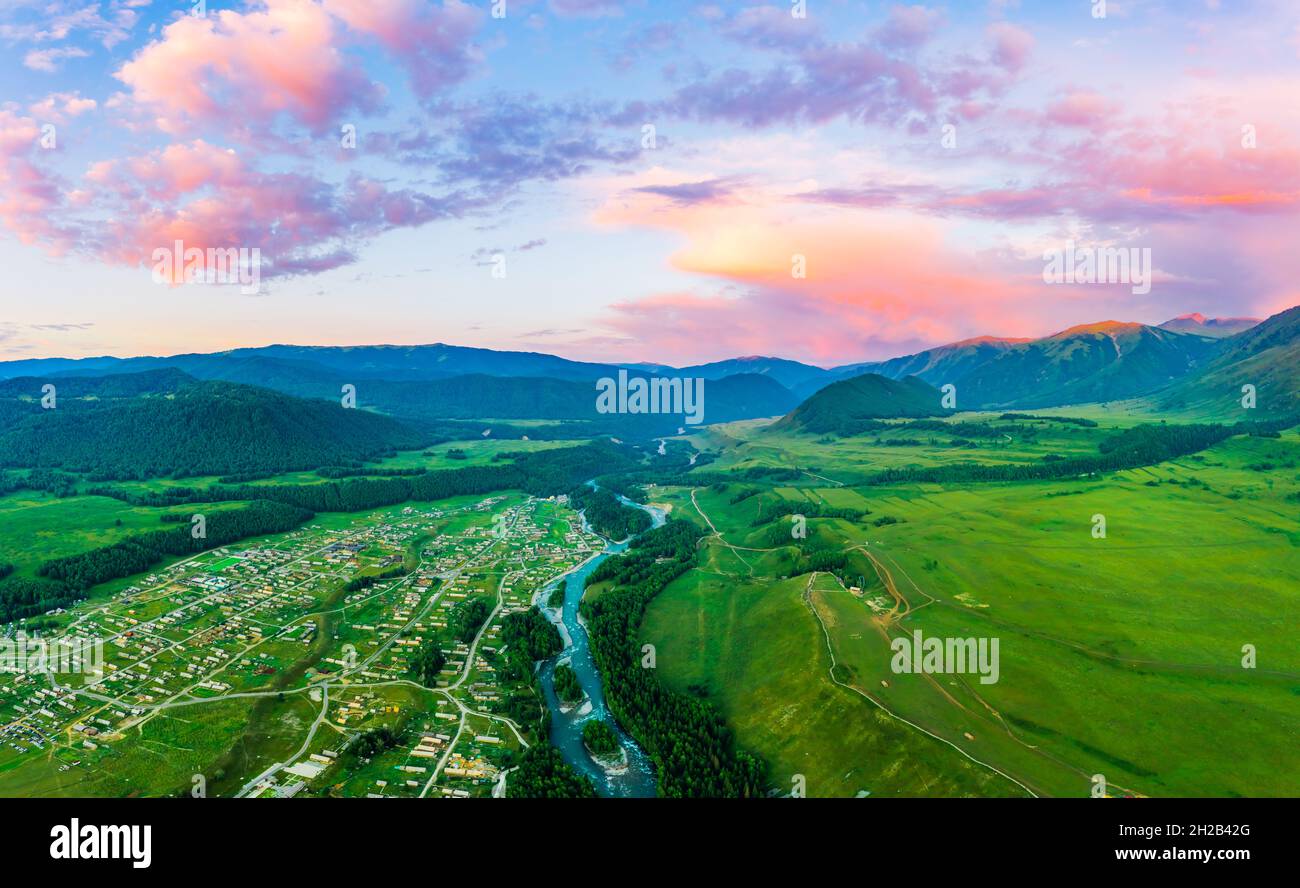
850,405
119,385
167,424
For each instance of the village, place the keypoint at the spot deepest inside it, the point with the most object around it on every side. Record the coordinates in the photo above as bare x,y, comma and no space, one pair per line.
296,646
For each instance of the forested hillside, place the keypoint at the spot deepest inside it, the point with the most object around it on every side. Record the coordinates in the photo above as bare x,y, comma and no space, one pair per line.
694,752
1092,362
1266,357
487,397
165,424
845,407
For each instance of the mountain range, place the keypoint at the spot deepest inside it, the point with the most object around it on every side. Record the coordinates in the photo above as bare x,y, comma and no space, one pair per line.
1265,356
1216,327
439,391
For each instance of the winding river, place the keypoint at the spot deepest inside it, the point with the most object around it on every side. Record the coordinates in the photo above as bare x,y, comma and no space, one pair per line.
637,778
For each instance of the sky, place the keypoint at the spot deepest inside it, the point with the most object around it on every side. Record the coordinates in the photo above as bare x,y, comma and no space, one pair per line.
823,180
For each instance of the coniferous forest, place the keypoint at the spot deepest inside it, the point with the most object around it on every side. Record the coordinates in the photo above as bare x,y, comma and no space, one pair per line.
694,752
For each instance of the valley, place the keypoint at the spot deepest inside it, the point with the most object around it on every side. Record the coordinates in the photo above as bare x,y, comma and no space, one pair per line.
293,597
1120,656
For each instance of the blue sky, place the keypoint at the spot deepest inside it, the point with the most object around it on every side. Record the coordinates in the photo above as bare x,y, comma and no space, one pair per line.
522,137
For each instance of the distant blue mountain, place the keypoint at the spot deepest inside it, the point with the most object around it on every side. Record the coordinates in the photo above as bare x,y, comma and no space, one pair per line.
430,383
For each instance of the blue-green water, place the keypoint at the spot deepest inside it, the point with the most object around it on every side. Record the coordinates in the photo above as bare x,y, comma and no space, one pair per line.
638,779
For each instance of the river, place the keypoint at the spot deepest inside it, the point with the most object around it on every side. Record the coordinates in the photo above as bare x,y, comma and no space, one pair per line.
637,779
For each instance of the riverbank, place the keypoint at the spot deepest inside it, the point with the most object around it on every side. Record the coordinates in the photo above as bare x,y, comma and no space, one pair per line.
632,776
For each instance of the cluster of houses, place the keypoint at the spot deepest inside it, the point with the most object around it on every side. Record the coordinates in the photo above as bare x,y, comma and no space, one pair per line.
224,622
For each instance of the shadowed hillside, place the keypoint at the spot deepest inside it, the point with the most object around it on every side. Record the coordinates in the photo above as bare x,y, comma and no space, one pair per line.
843,407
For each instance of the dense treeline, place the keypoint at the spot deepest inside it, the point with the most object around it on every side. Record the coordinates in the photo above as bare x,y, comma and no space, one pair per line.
544,774
679,477
428,662
784,507
374,741
1141,445
1156,442
693,750
467,618
1068,420
371,471
599,738
541,473
619,485
58,483
957,429
242,477
821,560
530,633
365,582
23,597
200,428
141,551
567,686
606,515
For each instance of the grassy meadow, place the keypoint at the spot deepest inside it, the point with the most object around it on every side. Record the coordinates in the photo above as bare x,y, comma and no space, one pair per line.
1120,656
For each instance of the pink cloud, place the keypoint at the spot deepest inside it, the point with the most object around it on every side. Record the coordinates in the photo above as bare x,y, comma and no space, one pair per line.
57,107
258,66
207,196
877,282
433,41
587,8
770,27
910,25
884,78
29,195
1185,166
1012,45
1082,108
49,60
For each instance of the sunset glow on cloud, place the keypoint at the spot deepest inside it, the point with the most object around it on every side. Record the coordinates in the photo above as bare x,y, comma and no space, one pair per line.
669,166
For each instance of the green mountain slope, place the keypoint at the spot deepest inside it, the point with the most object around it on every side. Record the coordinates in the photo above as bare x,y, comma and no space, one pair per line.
1098,362
940,365
1266,356
169,424
1095,362
790,374
845,407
